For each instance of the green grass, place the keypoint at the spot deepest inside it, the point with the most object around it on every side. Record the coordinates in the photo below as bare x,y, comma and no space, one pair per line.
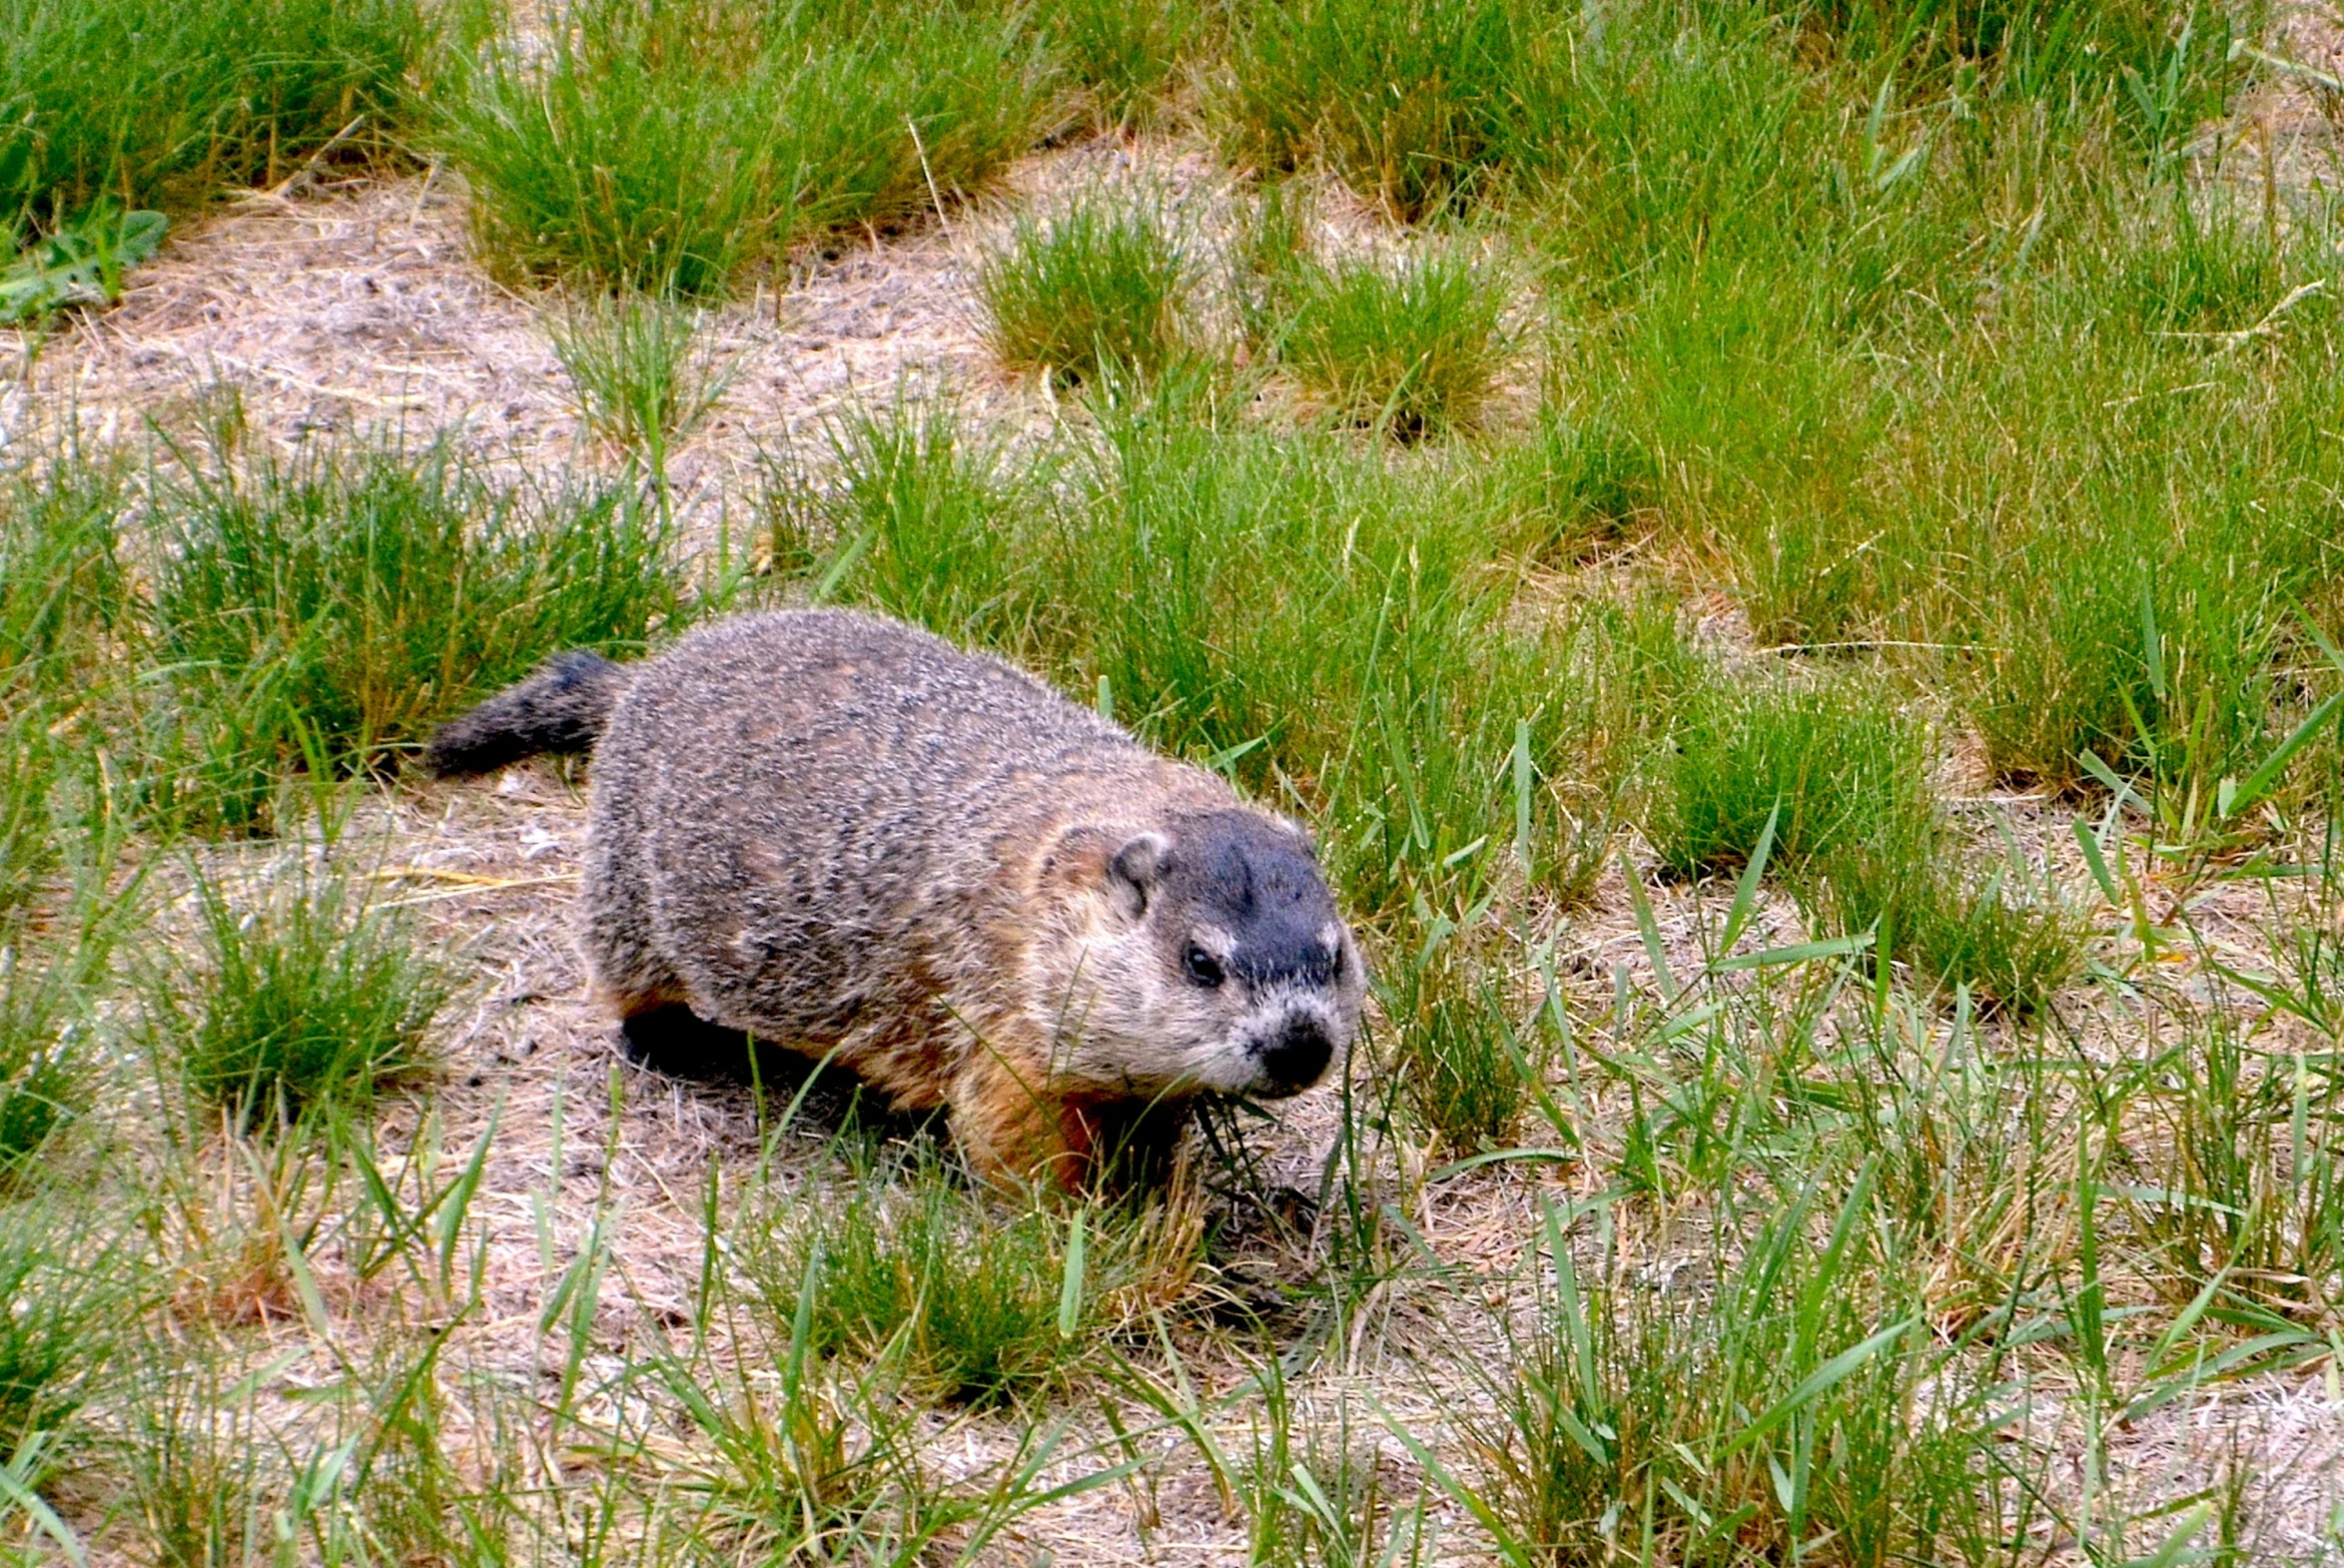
1837,787
1413,346
324,610
305,999
1127,53
666,147
69,1298
1826,764
1465,1067
1313,1489
643,377
29,826
55,976
1414,105
1784,1401
918,517
2060,52
43,1077
153,104
1103,286
62,587
909,1268
65,603
199,1470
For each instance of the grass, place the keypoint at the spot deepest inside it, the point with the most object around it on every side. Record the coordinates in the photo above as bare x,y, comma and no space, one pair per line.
916,522
918,1272
323,611
54,979
664,148
1836,788
68,1293
1826,765
1465,1066
1413,347
309,999
1129,56
641,383
1412,105
1807,1363
200,1470
1918,1179
1102,287
149,104
1316,1491
63,583
64,892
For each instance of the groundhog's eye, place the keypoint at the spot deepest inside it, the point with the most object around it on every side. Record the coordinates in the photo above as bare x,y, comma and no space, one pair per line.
1202,967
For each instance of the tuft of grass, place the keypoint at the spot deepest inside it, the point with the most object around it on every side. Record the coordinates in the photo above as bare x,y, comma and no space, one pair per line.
324,610
1631,1419
65,609
1588,483
644,380
64,590
2257,1176
2165,65
1463,1063
1841,779
1102,287
663,148
1831,764
2150,654
68,1296
1413,104
30,826
42,1074
150,103
1126,52
50,981
917,517
818,1452
200,1471
975,1302
1316,1491
1412,348
311,998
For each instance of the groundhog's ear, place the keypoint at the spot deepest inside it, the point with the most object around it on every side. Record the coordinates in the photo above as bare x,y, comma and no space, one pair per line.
1134,871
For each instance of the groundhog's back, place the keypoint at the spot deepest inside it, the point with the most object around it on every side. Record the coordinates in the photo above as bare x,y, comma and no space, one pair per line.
814,820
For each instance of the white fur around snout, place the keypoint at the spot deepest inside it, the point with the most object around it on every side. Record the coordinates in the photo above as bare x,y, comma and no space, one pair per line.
1265,1024
1128,1023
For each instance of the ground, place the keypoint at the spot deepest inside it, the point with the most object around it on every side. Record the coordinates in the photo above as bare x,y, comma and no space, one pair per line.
356,302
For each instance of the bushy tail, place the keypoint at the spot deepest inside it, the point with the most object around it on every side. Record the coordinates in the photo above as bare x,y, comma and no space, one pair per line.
562,707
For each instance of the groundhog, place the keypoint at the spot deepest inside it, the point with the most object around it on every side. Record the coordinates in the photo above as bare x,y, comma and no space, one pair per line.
844,835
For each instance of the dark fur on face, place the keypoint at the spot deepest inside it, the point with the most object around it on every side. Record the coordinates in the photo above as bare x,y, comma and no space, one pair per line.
1255,883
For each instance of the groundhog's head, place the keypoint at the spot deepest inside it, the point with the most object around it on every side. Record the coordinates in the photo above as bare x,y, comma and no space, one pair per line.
1217,960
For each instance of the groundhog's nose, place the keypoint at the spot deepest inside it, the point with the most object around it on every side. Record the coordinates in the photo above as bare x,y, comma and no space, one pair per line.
1293,1058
